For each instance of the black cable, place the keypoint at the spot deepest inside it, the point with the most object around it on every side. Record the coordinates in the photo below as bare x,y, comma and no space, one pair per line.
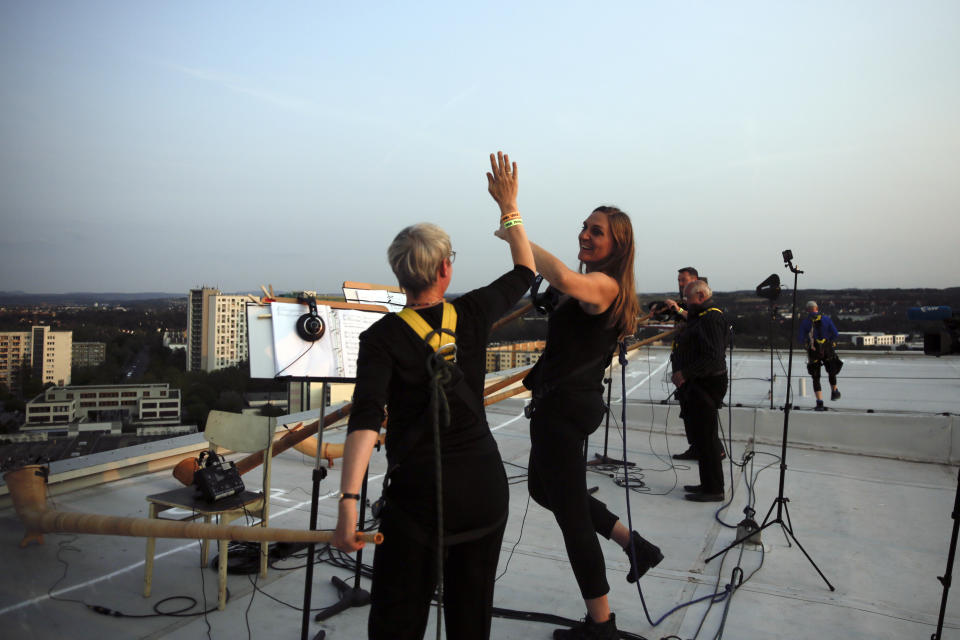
519,537
296,359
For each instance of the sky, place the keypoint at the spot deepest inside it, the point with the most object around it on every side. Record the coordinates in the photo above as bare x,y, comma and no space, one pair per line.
148,146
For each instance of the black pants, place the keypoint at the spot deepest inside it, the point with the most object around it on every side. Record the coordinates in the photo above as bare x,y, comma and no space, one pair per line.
557,481
814,362
700,400
404,579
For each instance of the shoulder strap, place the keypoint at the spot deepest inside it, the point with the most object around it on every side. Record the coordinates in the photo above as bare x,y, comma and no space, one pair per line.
436,339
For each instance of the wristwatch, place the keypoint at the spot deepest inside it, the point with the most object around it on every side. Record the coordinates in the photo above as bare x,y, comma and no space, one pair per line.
349,496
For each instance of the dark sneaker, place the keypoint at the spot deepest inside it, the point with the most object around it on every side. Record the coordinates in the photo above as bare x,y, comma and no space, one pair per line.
644,557
819,407
835,395
589,630
689,454
704,497
693,488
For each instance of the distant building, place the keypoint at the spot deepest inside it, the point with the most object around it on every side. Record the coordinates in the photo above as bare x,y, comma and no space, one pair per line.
509,356
89,354
867,339
47,353
175,340
197,323
141,404
216,330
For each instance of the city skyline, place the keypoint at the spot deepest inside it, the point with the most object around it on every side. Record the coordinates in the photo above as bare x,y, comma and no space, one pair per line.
156,148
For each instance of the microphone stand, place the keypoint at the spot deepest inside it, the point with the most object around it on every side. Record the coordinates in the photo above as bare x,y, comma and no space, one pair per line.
780,502
604,459
350,596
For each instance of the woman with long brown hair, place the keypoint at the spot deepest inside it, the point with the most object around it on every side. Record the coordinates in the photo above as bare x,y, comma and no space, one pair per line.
598,309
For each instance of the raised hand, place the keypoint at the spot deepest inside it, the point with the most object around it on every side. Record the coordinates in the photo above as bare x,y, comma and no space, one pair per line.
502,182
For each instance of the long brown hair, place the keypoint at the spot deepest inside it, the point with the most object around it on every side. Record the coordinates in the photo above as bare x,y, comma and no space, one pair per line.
619,266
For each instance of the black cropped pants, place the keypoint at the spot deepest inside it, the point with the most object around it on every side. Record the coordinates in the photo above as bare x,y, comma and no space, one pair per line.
557,481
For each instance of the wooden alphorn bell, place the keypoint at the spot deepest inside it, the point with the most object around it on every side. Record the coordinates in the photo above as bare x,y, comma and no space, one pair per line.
28,490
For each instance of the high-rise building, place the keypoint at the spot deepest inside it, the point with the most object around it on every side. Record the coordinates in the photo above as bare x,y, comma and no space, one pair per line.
196,327
216,330
48,354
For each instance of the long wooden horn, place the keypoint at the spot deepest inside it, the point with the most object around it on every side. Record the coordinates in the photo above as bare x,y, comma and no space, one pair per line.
28,490
331,451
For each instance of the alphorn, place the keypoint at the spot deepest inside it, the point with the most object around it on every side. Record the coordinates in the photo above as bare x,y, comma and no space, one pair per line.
335,450
28,490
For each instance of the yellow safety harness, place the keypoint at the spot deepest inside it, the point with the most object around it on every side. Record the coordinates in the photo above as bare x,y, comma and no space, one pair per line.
437,339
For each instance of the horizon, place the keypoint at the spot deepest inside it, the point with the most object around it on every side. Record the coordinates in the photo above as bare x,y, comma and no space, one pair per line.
150,147
167,295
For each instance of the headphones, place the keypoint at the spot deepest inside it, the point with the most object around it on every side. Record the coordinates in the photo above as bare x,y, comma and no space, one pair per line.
310,325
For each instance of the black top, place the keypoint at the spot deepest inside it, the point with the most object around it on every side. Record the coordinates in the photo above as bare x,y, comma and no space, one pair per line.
578,350
391,372
699,349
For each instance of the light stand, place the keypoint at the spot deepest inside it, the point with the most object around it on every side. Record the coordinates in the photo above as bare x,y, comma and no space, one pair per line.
773,318
781,502
946,578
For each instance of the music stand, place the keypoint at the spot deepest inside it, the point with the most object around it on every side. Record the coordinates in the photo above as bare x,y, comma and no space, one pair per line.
317,346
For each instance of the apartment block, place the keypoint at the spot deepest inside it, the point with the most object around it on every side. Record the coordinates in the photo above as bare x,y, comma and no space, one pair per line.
509,356
216,330
89,354
143,404
48,354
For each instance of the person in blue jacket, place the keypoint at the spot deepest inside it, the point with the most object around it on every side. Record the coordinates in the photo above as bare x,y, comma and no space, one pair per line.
819,335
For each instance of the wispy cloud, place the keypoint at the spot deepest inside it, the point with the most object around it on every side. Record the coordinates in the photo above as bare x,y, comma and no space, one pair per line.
242,86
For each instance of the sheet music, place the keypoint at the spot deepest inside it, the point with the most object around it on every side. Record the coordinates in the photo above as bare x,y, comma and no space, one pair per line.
392,300
351,324
277,350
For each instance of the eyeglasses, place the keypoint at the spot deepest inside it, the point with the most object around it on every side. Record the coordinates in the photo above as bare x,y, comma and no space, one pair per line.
452,256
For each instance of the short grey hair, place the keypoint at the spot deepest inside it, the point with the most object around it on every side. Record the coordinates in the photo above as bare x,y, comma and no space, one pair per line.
416,254
812,304
698,286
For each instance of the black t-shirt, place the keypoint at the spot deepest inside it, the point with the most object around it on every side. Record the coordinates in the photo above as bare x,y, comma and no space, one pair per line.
578,346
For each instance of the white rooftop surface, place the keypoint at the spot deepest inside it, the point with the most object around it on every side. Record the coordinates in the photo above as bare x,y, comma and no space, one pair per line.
870,499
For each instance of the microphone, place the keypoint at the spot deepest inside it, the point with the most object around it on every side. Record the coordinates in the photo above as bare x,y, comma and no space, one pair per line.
923,314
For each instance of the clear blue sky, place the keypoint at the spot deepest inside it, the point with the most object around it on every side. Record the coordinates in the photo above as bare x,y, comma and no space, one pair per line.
155,146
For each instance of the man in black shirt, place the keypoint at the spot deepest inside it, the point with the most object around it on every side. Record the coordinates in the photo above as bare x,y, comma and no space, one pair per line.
685,276
700,373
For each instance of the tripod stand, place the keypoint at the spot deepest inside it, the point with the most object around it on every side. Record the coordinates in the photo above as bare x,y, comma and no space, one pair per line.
947,577
780,502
